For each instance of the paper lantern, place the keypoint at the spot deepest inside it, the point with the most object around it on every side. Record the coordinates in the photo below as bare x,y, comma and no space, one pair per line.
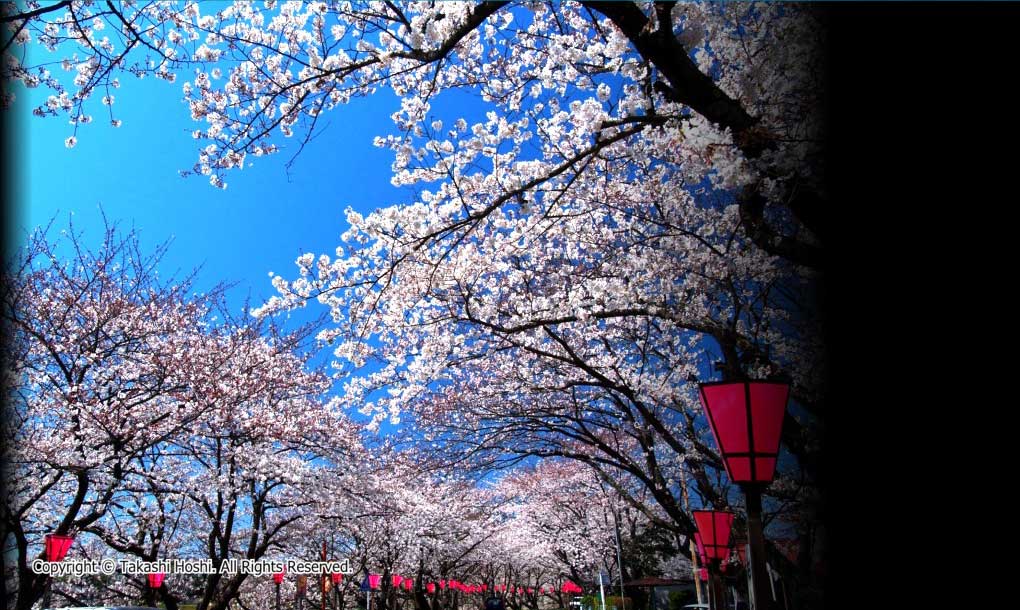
746,419
57,546
714,527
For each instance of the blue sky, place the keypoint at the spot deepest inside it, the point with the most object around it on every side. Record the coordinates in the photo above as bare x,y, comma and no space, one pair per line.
266,217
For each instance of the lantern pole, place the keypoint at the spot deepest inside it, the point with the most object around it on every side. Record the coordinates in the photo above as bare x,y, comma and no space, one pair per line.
690,539
759,593
277,596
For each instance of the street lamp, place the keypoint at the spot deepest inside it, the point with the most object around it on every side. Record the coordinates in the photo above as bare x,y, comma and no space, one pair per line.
56,546
370,584
746,419
713,540
278,579
155,582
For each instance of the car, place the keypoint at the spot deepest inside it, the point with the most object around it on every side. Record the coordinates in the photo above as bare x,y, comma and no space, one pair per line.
696,607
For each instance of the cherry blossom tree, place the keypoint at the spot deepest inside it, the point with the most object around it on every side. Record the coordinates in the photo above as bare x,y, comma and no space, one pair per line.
634,202
93,347
732,88
145,421
241,475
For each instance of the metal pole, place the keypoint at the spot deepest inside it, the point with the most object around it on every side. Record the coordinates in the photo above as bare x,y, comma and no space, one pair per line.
277,596
759,593
619,563
602,591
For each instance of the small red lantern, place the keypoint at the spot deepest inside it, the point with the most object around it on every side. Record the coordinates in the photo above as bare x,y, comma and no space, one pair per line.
337,577
430,588
714,527
57,546
571,587
396,579
442,584
374,580
156,580
746,419
485,587
408,584
541,590
278,577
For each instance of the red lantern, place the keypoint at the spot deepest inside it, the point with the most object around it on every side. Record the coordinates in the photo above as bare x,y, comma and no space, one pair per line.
430,588
408,584
337,577
485,587
396,579
156,580
714,527
374,580
701,549
57,546
746,419
278,576
541,590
